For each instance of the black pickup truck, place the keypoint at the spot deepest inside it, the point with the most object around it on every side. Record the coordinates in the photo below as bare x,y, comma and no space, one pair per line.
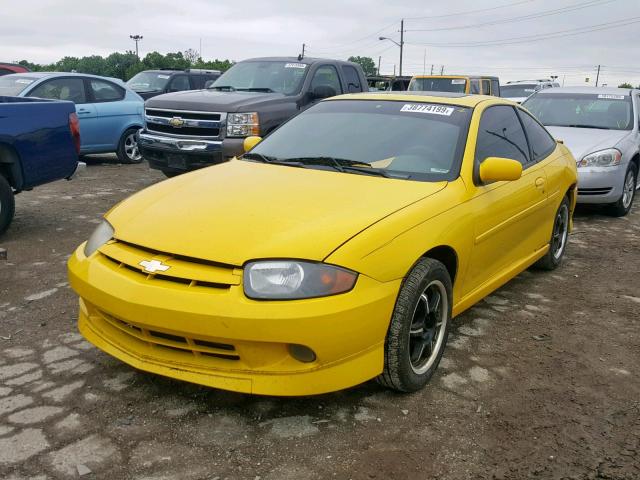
189,130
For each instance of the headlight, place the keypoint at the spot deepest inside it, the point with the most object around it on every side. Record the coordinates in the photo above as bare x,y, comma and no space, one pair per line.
291,279
243,124
604,158
101,235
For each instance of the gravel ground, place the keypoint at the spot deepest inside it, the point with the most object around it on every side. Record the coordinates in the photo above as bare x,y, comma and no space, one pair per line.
540,380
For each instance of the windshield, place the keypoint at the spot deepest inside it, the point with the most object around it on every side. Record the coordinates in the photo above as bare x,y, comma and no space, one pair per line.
585,110
418,141
12,85
457,85
514,91
149,82
263,76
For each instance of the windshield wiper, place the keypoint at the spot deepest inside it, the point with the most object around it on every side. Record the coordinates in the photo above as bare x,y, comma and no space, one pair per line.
267,159
343,165
576,125
256,89
222,87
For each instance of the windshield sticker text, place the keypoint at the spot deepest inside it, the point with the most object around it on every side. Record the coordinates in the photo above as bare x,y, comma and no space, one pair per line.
24,81
163,76
612,97
427,108
295,65
458,81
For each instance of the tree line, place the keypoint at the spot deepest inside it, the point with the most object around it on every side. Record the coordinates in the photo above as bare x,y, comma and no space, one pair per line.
126,65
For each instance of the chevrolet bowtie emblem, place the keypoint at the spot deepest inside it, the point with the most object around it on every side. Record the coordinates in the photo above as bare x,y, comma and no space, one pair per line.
153,266
176,122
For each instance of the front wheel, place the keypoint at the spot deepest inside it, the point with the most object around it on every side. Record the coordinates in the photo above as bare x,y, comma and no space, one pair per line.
623,205
419,327
7,204
559,237
128,151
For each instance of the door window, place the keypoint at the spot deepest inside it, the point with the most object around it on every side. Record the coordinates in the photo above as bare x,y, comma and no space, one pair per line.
474,86
352,78
501,135
105,91
486,87
326,76
495,87
71,89
540,141
179,83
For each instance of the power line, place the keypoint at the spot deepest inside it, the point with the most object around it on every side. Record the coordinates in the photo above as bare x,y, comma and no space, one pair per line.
522,18
521,2
545,36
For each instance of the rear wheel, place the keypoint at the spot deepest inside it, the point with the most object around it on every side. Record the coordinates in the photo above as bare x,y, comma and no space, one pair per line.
559,237
128,151
7,204
623,205
419,327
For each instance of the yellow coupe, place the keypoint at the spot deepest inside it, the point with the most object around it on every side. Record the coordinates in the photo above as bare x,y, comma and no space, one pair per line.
335,251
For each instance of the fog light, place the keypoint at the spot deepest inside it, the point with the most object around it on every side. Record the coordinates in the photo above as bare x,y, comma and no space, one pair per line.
302,353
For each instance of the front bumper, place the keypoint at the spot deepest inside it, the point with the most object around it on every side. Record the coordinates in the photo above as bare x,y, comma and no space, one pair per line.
600,184
220,338
180,155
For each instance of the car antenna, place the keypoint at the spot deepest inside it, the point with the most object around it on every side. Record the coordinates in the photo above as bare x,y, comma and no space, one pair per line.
301,56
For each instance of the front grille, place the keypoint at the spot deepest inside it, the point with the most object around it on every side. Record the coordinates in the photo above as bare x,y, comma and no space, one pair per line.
593,191
190,131
152,112
171,341
185,271
184,123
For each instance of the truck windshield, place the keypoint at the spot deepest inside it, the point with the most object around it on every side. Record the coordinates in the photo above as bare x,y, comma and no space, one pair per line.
149,82
582,110
396,139
457,85
515,91
263,76
12,85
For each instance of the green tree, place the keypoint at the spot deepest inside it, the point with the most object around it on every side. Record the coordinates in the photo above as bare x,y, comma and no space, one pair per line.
625,85
367,64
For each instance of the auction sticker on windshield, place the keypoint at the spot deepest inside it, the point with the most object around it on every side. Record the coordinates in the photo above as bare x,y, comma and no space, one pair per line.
458,81
612,97
427,108
295,65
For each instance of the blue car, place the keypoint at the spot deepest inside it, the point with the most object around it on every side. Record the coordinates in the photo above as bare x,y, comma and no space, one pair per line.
110,113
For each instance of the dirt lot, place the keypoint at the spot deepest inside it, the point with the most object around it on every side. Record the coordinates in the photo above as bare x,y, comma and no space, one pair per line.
540,380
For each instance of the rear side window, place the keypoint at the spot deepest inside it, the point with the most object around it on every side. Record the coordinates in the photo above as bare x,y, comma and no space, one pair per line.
71,89
495,87
486,87
105,91
501,135
352,78
474,86
540,141
179,83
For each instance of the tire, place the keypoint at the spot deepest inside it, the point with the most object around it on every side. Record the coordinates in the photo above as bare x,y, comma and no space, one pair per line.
170,173
7,204
624,203
128,151
414,329
559,236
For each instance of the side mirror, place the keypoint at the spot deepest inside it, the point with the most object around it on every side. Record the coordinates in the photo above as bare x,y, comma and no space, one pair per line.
496,169
324,91
250,142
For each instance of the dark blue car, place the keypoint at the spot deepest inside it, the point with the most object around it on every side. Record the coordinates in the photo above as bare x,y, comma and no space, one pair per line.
110,113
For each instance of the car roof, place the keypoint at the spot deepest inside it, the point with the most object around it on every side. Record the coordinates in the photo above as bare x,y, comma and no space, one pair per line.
591,90
456,76
526,82
451,98
305,60
67,74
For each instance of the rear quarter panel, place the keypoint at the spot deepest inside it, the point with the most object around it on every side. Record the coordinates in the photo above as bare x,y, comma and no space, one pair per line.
38,132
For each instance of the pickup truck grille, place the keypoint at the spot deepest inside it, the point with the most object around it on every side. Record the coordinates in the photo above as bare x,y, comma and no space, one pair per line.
182,123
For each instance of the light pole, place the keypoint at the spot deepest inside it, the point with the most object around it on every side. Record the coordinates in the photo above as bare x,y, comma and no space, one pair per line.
401,44
136,38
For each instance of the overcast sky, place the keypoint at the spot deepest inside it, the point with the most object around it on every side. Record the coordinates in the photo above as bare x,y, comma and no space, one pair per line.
453,33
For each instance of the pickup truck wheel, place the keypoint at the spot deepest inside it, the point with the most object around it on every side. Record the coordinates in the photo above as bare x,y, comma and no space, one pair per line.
623,205
419,327
128,151
7,204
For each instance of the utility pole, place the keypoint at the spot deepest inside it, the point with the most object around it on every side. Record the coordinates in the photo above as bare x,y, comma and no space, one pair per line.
200,52
432,69
598,75
394,69
401,43
442,70
136,38
424,62
379,60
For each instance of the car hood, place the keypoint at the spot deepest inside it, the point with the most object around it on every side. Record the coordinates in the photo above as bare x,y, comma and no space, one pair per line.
583,141
239,210
516,99
213,100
